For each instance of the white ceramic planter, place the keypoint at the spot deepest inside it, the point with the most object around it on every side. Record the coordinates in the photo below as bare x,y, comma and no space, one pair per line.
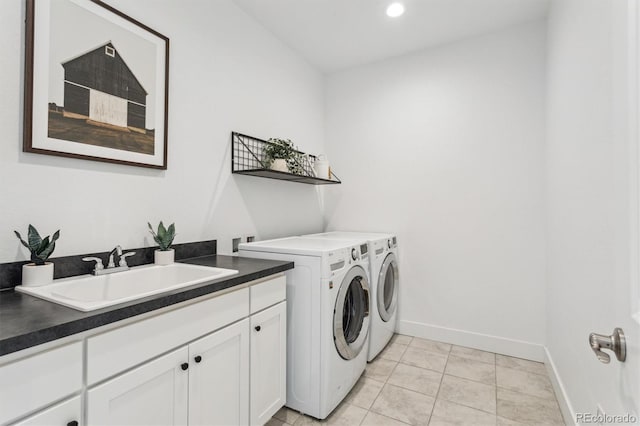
164,257
36,275
280,165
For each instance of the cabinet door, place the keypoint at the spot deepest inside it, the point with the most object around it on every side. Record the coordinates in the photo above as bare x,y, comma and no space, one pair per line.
67,413
219,379
268,362
153,394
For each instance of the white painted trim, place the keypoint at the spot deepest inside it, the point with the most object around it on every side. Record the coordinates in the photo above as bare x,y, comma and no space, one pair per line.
633,128
561,394
485,342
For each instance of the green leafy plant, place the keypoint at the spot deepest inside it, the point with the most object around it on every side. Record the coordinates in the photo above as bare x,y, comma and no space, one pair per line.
40,248
285,150
164,237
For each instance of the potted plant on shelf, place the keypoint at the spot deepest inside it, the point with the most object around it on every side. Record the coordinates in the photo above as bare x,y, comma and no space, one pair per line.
281,155
165,255
40,272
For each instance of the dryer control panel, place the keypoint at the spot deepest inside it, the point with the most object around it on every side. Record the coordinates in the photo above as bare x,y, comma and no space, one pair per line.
340,260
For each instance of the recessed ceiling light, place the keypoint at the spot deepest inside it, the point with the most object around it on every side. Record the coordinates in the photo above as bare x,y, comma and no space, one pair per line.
395,9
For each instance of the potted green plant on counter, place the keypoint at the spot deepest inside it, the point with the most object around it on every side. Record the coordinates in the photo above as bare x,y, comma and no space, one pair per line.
281,155
39,272
165,255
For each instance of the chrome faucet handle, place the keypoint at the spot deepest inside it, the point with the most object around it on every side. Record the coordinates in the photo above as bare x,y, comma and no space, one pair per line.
615,343
123,258
99,266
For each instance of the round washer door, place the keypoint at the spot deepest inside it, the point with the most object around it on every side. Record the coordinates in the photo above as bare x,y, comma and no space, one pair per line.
351,314
387,290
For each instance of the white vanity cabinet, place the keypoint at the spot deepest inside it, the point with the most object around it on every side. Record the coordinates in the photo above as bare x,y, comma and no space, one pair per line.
220,360
204,383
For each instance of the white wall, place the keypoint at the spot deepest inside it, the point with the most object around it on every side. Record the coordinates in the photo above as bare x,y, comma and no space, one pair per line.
227,73
445,148
591,192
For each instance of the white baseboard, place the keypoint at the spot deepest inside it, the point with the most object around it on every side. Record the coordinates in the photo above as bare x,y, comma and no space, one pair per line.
485,342
561,395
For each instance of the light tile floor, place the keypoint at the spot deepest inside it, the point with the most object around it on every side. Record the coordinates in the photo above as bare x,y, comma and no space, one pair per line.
421,382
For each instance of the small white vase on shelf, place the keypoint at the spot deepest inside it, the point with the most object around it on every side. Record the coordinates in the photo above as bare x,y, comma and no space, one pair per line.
36,275
280,165
322,168
164,257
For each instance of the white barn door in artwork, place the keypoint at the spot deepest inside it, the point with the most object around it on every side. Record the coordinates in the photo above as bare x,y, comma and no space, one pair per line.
106,108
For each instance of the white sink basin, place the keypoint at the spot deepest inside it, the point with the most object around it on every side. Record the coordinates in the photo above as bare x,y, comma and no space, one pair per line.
87,292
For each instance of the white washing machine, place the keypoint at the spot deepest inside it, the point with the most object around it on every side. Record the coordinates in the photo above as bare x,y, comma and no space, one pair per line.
327,317
383,260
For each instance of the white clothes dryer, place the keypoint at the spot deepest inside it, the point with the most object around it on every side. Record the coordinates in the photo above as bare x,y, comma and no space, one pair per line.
383,261
328,304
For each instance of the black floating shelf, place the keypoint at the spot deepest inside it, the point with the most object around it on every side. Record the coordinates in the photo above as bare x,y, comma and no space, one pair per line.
247,159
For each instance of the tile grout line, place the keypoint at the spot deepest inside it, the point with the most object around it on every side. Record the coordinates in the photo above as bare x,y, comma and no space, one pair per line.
383,385
422,368
462,378
525,393
468,406
386,383
435,398
382,415
528,394
472,380
523,371
433,351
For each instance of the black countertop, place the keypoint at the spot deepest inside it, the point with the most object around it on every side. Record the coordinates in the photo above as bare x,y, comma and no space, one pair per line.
27,321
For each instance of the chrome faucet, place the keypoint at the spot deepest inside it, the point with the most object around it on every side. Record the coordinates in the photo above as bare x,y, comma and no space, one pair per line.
117,249
99,268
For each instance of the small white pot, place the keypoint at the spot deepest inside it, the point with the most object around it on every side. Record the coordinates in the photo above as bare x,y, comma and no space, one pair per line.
280,165
164,257
36,275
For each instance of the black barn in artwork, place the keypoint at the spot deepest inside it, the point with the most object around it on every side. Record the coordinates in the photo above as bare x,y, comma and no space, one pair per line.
99,85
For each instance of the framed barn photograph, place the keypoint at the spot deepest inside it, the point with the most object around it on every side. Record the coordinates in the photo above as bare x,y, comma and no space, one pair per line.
96,84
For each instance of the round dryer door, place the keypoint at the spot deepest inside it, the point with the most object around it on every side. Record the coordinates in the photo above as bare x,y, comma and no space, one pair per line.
351,315
387,291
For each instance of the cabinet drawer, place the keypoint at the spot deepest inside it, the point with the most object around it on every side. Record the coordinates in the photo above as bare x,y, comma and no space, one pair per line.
65,413
34,382
268,293
116,350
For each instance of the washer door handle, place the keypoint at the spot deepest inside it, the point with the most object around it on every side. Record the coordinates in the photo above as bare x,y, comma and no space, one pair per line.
367,299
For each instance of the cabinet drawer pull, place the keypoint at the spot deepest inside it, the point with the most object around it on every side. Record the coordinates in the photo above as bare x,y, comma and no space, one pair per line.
258,328
73,423
184,365
198,358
